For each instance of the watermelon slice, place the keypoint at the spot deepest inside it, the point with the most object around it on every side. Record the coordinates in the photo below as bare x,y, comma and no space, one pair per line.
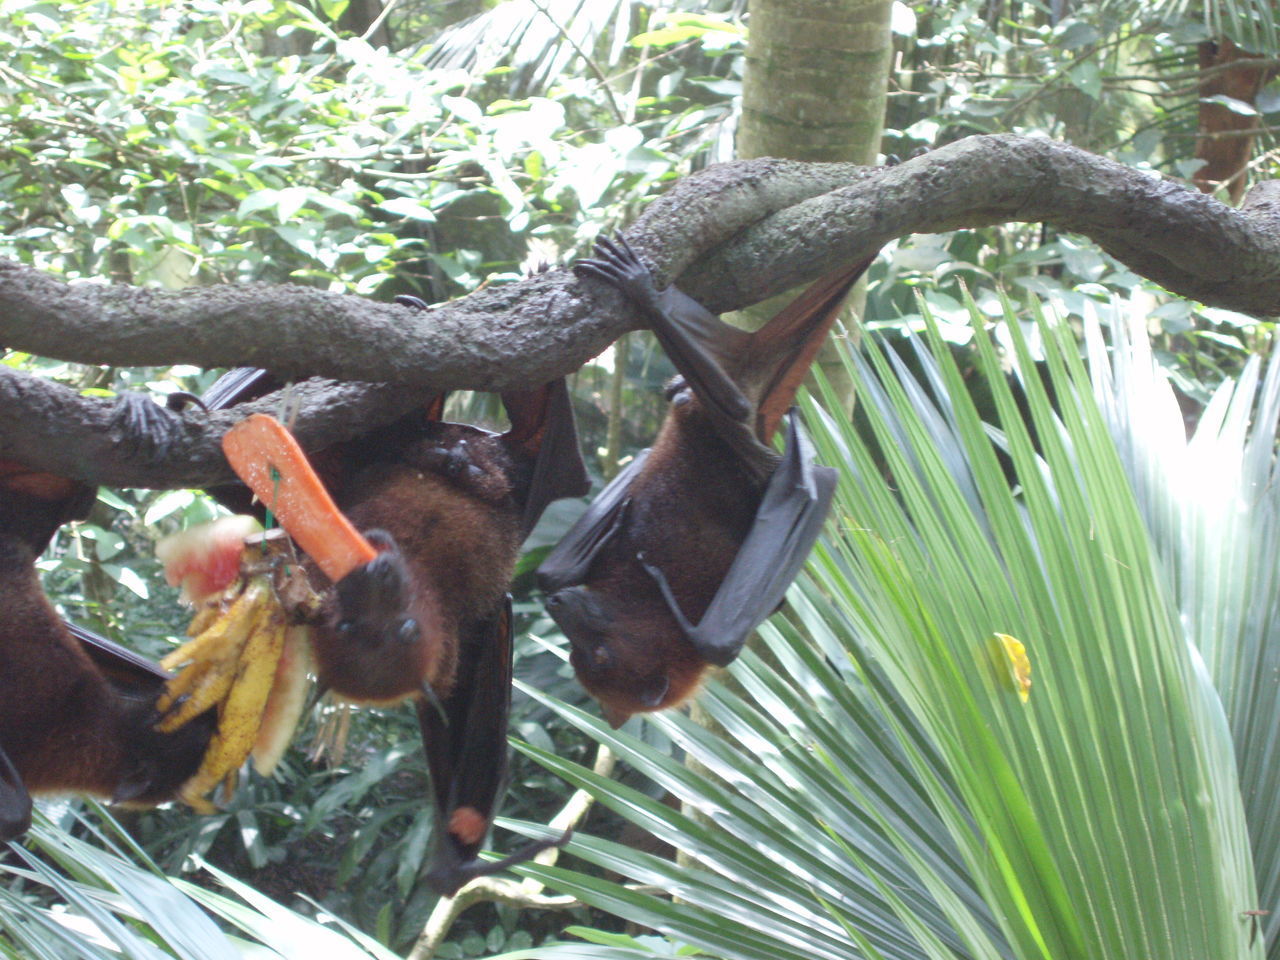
204,559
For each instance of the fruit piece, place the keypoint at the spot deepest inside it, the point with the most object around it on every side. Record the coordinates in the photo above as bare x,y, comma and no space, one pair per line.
268,459
240,714
284,707
212,659
204,559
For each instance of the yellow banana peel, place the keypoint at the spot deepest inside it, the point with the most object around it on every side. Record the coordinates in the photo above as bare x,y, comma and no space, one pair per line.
248,663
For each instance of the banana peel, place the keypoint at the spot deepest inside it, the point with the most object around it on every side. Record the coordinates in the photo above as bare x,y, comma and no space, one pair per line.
249,659
240,711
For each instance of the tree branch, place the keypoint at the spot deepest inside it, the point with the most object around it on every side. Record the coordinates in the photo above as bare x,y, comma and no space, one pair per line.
733,235
50,427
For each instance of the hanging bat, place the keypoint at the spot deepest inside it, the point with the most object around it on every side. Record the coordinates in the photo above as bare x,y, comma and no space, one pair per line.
77,711
691,546
447,506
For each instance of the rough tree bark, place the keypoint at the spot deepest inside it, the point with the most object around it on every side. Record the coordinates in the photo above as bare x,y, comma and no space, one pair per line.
731,235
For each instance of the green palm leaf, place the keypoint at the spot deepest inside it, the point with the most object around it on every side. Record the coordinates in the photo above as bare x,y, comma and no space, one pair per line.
1212,503
115,903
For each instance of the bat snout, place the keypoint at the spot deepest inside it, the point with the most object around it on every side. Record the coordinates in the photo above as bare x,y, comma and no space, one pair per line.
372,600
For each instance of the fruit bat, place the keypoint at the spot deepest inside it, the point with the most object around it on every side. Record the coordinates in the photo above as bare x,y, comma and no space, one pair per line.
692,545
447,506
76,710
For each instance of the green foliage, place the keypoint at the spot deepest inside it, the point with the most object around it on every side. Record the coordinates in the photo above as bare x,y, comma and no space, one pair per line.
1212,504
175,144
122,905
171,144
1115,77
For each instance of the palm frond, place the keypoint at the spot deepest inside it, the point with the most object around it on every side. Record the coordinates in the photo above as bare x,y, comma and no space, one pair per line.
81,900
538,40
1212,503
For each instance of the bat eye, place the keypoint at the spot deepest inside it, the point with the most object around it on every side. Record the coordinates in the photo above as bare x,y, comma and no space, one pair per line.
345,626
602,657
408,631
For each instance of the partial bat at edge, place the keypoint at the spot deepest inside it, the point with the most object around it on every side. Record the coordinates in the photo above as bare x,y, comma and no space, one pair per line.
76,709
696,541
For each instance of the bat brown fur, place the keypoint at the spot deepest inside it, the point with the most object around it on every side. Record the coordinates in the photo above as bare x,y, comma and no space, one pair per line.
691,508
76,710
458,539
429,619
694,544
65,727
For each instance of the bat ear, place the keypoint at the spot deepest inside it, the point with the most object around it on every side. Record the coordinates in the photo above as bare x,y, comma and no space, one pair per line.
616,716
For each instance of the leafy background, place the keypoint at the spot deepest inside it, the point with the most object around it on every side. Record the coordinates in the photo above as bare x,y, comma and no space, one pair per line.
874,786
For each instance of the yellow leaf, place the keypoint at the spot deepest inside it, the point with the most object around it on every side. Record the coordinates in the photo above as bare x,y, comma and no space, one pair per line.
1014,664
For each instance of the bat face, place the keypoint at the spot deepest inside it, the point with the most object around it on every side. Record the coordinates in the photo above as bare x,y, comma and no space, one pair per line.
373,649
395,623
629,653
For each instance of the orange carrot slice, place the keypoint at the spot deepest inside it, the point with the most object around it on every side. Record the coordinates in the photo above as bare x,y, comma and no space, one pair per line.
259,445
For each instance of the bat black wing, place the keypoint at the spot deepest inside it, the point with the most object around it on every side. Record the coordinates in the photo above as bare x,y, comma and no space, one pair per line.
698,343
116,661
794,506
569,561
237,385
691,335
465,738
15,802
542,425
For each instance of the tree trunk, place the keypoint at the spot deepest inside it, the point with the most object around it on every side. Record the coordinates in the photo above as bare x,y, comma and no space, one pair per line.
1225,136
816,79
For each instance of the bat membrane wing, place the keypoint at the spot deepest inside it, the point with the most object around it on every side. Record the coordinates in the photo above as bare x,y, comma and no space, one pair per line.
696,340
238,385
551,437
796,335
15,802
794,506
465,739
570,560
115,660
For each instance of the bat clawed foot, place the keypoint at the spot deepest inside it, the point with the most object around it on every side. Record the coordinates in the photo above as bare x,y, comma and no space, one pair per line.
179,400
617,265
145,428
381,541
412,302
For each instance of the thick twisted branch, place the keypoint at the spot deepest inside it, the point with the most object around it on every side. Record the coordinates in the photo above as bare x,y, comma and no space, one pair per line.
733,235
